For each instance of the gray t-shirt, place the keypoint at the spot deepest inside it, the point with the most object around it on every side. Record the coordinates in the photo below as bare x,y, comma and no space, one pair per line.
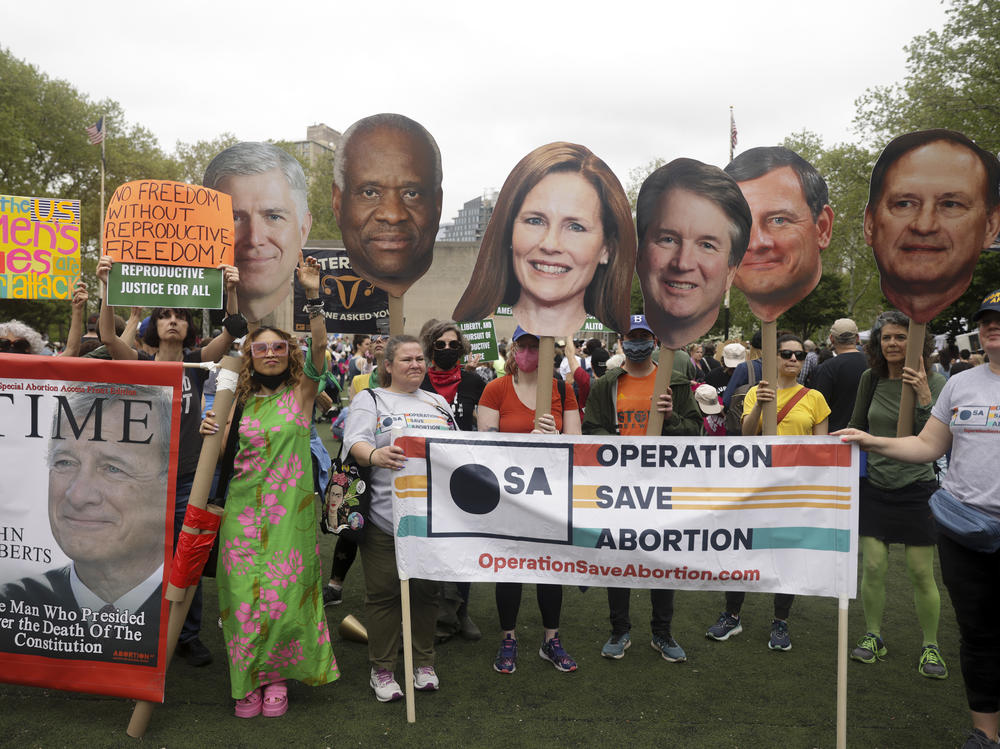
970,405
379,425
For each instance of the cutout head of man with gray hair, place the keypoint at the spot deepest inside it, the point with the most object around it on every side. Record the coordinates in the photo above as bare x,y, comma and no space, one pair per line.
271,220
387,199
792,225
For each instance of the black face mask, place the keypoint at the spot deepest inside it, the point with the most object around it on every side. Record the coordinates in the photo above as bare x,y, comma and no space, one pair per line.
272,382
445,358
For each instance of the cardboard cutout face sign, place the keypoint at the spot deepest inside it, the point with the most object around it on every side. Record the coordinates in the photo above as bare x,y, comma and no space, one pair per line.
271,220
929,217
792,224
560,245
387,199
694,225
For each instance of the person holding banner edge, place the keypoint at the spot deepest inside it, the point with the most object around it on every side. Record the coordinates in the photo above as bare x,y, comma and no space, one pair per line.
269,573
507,405
801,411
894,495
619,404
964,418
172,333
372,424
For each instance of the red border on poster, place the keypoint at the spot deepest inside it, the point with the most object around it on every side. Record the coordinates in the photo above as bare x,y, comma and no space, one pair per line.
114,679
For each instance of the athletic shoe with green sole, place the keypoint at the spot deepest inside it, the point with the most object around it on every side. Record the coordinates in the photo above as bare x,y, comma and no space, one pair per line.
870,649
932,665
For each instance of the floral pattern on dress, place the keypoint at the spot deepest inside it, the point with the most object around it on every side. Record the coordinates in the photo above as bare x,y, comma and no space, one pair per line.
269,573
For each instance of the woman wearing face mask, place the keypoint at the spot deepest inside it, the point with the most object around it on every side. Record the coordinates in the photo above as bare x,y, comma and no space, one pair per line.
444,346
508,405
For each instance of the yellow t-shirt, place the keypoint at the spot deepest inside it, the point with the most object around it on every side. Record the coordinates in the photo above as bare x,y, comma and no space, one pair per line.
807,413
635,394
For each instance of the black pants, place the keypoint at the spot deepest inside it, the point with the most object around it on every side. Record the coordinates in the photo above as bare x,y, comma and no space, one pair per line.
509,603
343,557
973,581
782,603
663,610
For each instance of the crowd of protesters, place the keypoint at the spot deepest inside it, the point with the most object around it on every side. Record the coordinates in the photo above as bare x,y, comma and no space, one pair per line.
605,387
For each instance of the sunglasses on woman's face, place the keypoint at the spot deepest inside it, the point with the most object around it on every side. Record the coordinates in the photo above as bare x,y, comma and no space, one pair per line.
20,346
260,349
786,354
442,345
379,338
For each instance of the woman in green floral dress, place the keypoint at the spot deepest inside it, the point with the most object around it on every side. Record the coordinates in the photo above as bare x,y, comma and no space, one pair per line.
270,597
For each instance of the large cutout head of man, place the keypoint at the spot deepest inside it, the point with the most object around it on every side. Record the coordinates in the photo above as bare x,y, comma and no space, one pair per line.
932,209
387,199
108,464
693,225
271,220
792,224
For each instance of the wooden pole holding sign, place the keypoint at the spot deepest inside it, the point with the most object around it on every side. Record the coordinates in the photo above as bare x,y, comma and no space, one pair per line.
181,598
654,422
907,397
546,362
842,672
769,372
411,708
395,315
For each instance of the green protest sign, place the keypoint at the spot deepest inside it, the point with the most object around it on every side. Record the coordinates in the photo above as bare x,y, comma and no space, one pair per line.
482,339
179,287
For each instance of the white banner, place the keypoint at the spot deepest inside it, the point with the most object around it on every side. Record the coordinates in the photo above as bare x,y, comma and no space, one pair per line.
731,513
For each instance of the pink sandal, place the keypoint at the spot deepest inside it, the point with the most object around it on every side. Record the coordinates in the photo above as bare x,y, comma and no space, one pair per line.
275,699
250,706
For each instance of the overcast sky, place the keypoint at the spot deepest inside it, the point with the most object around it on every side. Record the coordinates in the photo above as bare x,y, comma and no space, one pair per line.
632,81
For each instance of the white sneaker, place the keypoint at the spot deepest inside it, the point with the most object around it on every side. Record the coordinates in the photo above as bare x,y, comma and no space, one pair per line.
426,680
386,687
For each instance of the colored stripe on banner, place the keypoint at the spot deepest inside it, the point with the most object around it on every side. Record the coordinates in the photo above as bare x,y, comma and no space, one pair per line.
413,447
412,525
816,539
784,456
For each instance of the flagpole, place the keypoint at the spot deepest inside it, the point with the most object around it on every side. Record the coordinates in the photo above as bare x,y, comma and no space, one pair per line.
732,145
100,239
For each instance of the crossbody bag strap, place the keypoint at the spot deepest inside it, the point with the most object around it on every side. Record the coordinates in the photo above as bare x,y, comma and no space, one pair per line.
791,403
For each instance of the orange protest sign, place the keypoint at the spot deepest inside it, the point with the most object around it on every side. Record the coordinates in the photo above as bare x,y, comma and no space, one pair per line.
169,223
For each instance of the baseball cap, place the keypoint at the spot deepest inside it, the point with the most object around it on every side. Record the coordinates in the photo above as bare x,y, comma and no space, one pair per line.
638,322
734,354
990,304
708,399
844,328
520,332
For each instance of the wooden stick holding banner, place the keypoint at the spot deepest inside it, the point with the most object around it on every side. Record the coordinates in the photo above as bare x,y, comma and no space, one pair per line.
181,598
842,672
654,422
395,315
546,363
907,397
411,708
769,372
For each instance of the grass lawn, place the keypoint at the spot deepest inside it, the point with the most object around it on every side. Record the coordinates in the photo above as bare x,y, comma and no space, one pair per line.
731,694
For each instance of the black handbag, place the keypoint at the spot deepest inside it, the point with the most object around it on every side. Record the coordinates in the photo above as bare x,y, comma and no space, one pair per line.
347,502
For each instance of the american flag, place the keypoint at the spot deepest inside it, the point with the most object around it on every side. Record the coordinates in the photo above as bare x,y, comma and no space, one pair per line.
96,132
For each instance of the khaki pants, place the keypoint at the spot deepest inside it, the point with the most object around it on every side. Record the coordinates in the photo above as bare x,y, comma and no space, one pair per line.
383,605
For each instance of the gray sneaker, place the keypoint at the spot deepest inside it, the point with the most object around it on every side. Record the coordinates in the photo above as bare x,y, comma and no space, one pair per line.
727,626
669,649
616,646
780,639
979,740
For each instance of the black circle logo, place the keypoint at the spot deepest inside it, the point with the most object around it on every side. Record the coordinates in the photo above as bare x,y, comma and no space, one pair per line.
475,489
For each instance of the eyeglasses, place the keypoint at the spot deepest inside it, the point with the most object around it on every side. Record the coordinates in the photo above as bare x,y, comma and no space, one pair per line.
379,338
20,346
786,354
442,345
260,349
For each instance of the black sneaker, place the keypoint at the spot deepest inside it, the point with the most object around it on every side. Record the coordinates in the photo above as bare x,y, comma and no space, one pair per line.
194,652
332,596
